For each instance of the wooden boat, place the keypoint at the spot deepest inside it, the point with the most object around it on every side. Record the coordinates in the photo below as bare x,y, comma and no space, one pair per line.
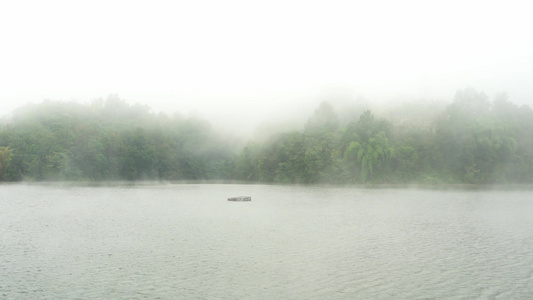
240,198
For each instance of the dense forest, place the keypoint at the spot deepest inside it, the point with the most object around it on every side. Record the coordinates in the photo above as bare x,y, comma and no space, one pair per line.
473,140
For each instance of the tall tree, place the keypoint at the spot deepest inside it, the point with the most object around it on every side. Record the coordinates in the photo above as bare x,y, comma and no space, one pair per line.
369,149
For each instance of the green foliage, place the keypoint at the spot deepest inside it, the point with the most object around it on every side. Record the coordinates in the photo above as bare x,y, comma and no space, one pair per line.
478,144
111,140
472,141
371,155
5,159
369,149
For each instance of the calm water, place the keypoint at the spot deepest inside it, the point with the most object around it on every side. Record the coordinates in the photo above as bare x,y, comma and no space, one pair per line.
188,242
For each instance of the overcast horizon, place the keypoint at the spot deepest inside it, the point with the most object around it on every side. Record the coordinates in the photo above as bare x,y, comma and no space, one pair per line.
247,61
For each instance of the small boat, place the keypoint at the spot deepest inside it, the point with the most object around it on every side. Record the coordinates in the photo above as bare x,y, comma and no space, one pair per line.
240,198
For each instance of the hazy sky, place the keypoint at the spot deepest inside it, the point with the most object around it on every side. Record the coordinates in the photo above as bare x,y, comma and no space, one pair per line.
249,59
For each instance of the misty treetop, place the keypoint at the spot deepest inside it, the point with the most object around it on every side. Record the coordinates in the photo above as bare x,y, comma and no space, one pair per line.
110,140
473,140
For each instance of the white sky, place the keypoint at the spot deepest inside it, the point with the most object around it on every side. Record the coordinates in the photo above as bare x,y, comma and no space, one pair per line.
250,59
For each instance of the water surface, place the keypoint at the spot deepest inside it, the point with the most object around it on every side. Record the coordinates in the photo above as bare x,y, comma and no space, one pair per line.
185,241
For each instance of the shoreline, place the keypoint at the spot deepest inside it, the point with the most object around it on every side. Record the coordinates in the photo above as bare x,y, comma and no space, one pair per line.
419,186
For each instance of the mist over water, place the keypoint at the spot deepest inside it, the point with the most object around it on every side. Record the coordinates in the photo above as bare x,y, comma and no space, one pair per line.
291,242
281,92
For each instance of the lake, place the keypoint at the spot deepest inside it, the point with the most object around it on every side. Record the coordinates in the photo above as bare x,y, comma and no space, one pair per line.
186,241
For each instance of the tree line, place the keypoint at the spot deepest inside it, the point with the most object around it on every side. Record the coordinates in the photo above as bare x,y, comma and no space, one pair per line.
109,140
473,140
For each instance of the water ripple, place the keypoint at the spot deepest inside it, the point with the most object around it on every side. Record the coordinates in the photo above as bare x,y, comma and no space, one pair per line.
187,242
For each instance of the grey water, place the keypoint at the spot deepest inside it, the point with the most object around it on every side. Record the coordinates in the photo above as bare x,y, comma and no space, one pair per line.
186,241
